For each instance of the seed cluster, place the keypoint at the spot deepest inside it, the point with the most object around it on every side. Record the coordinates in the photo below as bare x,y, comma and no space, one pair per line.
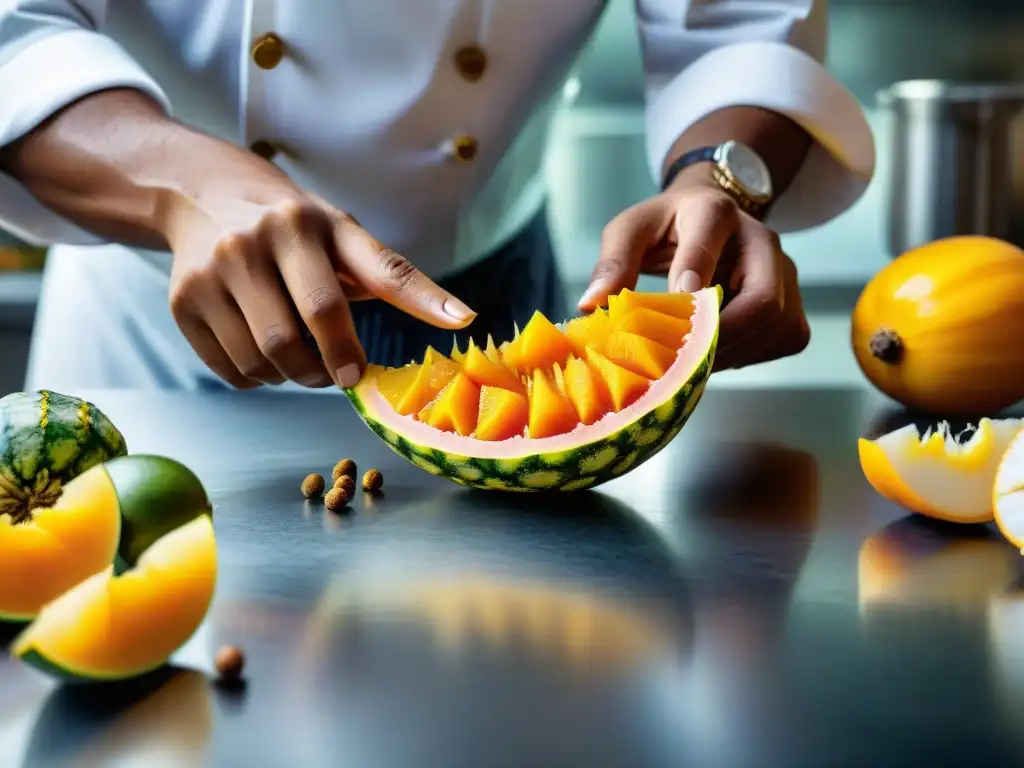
343,489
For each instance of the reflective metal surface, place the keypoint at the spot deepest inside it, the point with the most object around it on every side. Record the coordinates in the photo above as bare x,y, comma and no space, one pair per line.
743,599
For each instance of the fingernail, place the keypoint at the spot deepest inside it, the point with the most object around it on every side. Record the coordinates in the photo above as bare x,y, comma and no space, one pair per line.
689,282
592,292
457,310
348,375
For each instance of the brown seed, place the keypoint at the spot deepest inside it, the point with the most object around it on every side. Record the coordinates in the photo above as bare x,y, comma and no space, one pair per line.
373,481
230,663
313,486
344,467
336,499
347,483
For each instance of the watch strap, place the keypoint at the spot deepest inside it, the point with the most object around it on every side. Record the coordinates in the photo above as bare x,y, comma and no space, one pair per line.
684,161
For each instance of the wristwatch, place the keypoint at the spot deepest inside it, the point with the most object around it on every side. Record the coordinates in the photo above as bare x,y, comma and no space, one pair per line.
737,168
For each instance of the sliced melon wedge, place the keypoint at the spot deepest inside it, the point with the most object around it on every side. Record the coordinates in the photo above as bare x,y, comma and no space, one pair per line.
601,399
58,546
115,627
1008,493
938,474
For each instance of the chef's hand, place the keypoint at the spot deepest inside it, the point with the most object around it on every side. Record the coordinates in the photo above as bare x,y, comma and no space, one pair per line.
256,258
696,234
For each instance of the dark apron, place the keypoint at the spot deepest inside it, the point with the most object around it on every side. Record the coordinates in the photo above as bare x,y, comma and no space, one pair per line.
504,289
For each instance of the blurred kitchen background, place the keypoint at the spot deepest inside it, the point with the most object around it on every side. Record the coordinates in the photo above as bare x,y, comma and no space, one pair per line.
597,163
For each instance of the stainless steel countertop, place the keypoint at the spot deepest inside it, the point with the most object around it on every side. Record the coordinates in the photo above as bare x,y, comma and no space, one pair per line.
743,599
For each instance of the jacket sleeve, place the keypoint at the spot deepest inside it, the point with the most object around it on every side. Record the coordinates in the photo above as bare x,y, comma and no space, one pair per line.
703,55
53,52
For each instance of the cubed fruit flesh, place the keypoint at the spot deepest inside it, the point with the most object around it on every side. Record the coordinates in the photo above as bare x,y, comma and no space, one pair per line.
624,386
540,345
503,414
590,329
433,376
483,371
586,391
679,305
664,329
643,356
551,413
455,409
394,383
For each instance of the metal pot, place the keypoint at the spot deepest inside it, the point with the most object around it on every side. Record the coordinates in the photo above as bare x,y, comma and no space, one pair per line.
954,149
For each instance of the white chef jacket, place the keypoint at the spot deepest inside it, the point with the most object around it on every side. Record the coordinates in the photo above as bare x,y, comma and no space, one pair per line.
369,103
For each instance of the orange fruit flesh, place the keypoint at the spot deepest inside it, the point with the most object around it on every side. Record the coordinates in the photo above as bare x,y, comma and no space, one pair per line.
591,329
60,546
112,627
455,409
540,345
664,329
484,371
435,373
586,390
546,380
625,386
551,413
679,305
503,414
639,355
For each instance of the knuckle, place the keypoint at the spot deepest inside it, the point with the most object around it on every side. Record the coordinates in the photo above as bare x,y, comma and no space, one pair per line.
720,205
293,214
181,297
321,301
348,219
275,339
397,272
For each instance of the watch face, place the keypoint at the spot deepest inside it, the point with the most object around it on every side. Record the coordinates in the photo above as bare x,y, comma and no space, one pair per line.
747,168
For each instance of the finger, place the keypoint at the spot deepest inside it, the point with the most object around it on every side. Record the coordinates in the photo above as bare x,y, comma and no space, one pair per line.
393,278
761,297
225,319
749,348
206,345
272,326
703,226
624,243
308,273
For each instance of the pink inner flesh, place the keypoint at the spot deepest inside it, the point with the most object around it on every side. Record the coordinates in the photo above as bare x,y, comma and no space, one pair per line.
660,390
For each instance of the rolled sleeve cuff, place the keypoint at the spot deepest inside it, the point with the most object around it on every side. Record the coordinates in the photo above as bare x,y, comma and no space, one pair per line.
39,81
783,79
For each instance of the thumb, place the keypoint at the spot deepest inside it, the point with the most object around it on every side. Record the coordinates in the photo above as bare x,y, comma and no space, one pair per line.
703,229
393,278
624,242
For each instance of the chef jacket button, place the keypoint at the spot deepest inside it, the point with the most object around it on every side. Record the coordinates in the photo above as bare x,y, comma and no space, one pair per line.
471,62
265,149
268,51
463,148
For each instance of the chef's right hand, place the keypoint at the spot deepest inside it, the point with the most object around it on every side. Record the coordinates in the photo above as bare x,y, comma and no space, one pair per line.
255,257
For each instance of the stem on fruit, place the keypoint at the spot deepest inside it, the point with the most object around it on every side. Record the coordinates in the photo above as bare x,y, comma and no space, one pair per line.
887,346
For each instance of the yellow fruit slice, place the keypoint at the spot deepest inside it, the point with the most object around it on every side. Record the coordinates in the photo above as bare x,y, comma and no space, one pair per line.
1008,493
551,413
482,370
638,354
114,627
455,409
59,546
503,414
624,386
590,330
939,474
394,383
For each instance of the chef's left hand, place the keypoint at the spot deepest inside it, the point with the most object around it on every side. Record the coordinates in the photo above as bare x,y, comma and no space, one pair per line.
697,234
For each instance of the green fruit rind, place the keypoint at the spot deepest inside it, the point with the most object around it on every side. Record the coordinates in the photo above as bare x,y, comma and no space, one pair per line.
48,666
46,440
587,465
156,495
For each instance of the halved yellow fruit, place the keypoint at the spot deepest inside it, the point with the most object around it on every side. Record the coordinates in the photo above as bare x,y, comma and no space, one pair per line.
58,546
939,474
114,627
1008,493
